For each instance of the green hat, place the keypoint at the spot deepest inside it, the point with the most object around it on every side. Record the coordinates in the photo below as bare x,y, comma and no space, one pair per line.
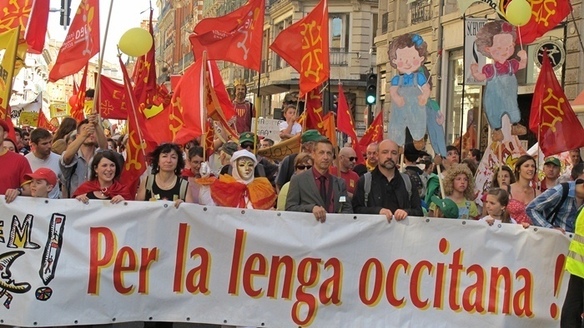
247,137
311,135
552,160
447,206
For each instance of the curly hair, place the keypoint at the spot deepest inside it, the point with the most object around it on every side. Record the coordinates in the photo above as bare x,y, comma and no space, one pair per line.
407,41
488,31
452,173
166,148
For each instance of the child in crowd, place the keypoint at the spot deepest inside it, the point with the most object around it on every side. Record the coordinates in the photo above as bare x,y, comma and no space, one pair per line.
289,128
459,187
42,181
495,204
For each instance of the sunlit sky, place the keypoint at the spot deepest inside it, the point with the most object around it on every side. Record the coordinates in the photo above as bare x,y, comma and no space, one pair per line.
125,14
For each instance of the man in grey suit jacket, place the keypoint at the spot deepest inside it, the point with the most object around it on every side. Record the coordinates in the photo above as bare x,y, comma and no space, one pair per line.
316,190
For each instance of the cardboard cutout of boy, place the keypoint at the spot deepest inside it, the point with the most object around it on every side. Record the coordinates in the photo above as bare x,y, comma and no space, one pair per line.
409,89
496,40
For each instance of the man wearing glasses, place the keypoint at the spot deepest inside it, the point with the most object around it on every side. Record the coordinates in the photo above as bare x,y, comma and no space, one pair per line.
557,207
344,169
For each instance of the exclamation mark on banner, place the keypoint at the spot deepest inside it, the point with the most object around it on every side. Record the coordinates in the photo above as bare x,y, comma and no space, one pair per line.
558,275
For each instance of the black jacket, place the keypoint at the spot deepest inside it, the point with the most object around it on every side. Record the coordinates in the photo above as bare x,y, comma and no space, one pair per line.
378,195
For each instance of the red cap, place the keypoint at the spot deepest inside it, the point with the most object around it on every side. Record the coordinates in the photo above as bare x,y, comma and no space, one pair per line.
4,126
43,173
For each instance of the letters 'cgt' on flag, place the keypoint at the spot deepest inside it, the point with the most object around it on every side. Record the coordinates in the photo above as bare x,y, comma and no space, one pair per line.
345,122
8,41
305,46
552,118
81,43
374,132
235,37
112,99
545,15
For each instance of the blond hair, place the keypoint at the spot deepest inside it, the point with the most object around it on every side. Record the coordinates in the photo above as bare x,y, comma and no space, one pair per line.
452,173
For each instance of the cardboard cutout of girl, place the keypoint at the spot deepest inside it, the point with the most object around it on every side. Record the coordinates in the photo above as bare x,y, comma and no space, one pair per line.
496,40
409,89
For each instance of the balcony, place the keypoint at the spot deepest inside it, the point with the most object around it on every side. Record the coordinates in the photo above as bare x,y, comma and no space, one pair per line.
339,57
420,11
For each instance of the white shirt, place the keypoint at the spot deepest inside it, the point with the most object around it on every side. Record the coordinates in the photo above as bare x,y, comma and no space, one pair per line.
296,128
52,162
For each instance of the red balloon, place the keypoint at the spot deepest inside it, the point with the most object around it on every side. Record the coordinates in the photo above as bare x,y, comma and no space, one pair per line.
73,100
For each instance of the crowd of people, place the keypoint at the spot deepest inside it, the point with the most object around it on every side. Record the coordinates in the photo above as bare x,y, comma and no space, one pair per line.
80,161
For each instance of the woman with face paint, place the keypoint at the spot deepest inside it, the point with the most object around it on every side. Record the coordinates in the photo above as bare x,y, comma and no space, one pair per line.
242,189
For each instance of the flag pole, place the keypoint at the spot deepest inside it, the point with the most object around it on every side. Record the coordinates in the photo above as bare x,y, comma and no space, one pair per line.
100,64
257,112
463,89
128,88
204,109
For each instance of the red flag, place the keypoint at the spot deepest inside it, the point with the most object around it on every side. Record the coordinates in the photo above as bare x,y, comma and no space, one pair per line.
158,125
78,102
235,37
17,13
374,132
145,86
139,141
221,92
314,112
209,138
43,122
552,118
186,119
329,129
545,15
76,51
305,46
345,123
112,99
37,26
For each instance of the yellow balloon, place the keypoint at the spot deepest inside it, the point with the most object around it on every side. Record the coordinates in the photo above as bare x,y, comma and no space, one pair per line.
518,12
136,42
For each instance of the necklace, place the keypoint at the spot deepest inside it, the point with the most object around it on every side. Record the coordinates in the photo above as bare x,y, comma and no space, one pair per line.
167,184
103,191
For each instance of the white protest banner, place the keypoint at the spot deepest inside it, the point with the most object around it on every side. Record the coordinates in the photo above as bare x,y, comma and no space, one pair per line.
471,53
67,263
268,128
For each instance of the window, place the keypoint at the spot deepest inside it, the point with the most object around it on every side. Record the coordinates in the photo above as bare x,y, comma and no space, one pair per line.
462,115
420,11
280,63
338,31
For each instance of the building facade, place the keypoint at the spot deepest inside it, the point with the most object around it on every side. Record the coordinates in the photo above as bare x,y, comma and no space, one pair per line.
442,26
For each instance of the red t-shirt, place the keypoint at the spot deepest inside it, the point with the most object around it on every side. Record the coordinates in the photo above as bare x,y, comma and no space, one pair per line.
14,167
350,178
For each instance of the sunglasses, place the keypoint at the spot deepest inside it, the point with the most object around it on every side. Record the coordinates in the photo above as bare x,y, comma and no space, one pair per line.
352,159
303,167
579,181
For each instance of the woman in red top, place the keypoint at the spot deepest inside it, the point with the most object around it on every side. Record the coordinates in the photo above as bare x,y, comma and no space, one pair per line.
103,184
522,191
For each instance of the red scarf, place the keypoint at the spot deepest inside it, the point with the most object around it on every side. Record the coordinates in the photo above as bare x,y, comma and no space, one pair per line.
115,189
